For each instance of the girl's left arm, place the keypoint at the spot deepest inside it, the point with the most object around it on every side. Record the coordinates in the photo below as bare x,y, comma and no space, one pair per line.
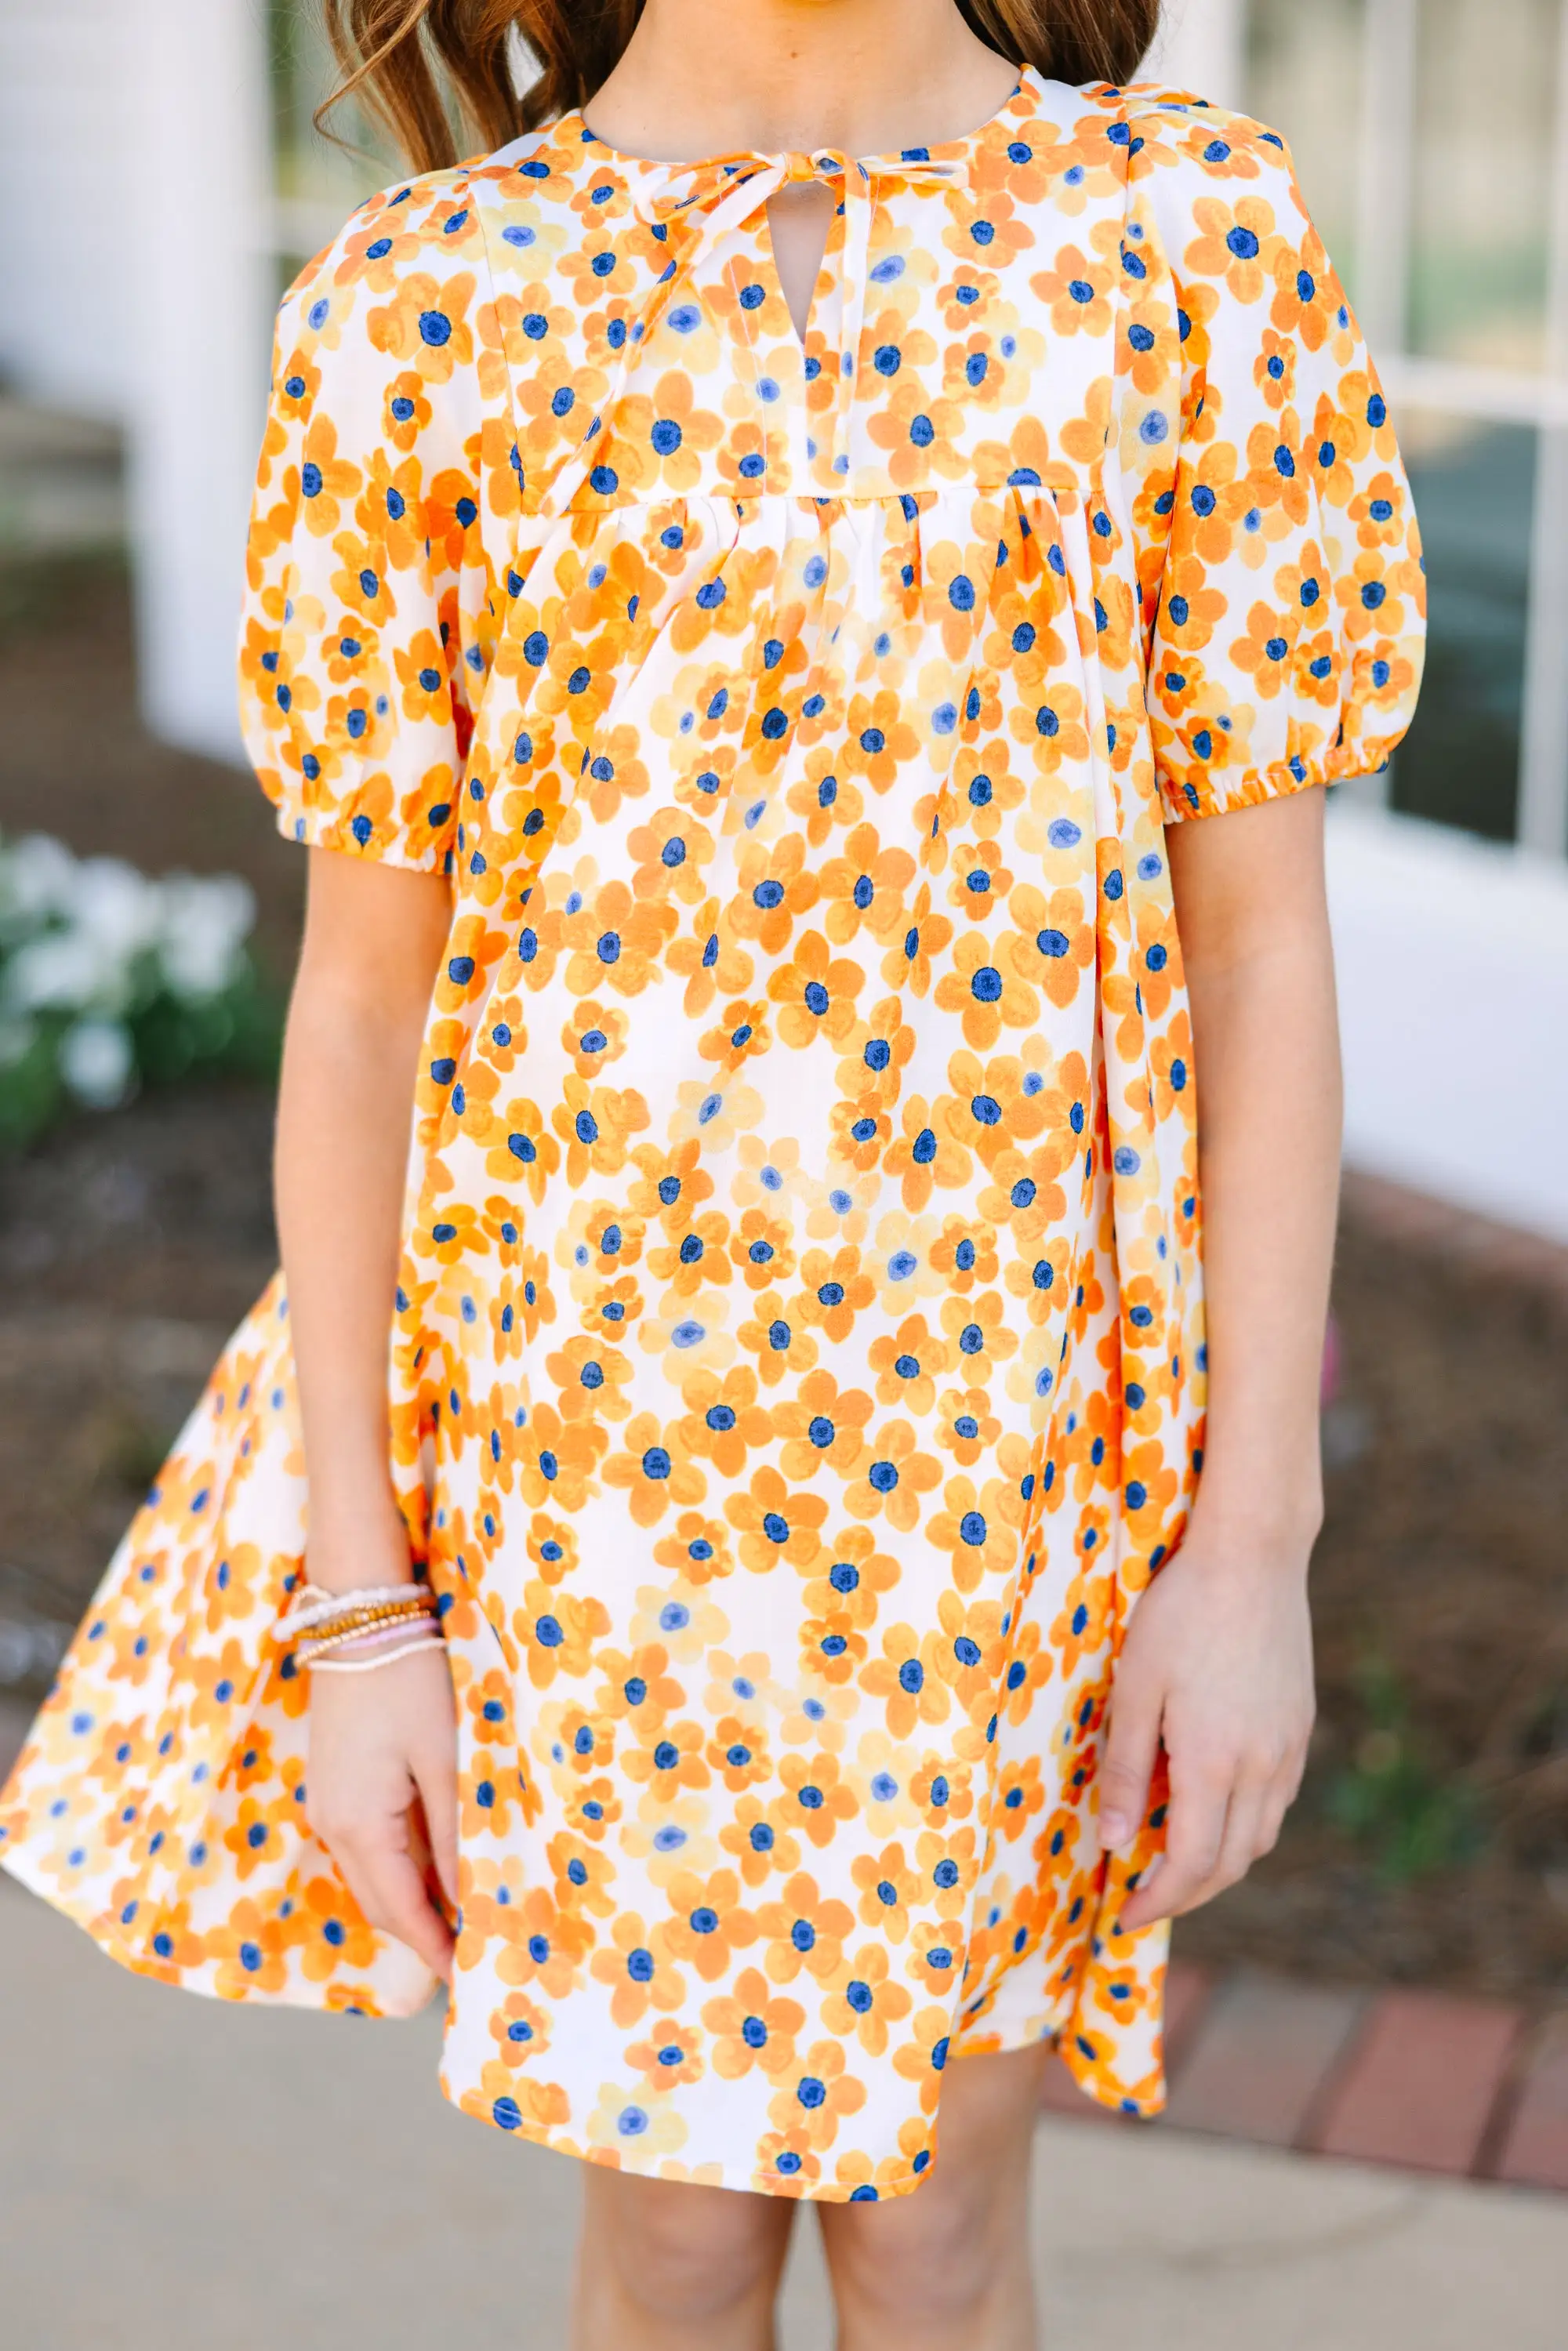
1217,1662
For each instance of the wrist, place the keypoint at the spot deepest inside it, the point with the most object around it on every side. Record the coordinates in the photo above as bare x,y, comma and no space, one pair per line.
1257,1530
357,1540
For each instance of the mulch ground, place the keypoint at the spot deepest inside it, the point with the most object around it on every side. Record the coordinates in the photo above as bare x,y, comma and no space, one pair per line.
1431,1845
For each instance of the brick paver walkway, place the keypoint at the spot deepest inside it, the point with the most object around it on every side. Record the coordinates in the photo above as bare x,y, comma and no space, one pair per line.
1419,2079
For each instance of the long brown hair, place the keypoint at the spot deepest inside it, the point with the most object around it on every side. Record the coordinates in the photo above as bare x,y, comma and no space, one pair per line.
399,57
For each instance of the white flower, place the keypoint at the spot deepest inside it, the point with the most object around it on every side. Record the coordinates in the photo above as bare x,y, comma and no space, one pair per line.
120,908
82,936
97,1059
202,931
101,915
37,879
64,971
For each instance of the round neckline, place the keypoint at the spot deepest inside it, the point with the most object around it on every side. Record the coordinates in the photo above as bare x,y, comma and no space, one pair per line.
944,151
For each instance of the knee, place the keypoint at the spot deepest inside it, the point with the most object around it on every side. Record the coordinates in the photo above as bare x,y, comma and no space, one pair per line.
929,2257
682,2254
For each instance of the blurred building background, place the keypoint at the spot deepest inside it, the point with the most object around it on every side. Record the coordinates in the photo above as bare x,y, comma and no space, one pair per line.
167,182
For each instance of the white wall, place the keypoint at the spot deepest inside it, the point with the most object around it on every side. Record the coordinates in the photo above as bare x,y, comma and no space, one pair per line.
1453,967
1202,47
66,263
200,221
136,286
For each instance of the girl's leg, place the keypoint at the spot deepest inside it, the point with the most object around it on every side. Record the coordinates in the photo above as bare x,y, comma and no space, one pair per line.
947,2267
665,2266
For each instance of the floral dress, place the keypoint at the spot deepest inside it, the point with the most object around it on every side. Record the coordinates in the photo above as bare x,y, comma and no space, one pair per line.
797,1370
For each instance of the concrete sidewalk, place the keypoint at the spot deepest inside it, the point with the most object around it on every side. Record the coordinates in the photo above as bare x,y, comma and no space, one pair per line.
179,2175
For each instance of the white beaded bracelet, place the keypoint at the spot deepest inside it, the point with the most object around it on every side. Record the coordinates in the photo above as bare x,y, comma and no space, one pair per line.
383,1657
319,1604
359,1636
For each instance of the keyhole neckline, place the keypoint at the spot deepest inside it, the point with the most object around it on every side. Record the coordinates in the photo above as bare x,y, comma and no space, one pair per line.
813,291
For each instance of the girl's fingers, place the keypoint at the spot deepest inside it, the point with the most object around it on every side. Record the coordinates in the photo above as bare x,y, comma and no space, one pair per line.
1277,1803
1240,1844
403,1908
1194,1838
385,1879
1127,1765
1253,1819
436,1777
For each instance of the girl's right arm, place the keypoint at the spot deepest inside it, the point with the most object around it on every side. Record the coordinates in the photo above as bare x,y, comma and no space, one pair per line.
374,937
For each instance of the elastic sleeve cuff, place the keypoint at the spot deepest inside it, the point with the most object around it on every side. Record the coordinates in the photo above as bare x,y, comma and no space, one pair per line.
361,835
1184,803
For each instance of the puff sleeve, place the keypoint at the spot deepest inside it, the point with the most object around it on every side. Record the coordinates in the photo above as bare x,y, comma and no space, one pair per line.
367,628
1284,596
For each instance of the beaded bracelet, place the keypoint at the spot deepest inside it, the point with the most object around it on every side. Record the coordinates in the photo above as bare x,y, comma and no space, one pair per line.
376,1638
316,1605
311,1652
384,1656
366,1620
407,1632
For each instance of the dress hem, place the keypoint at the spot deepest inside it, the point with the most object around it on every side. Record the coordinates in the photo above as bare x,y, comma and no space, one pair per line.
16,1863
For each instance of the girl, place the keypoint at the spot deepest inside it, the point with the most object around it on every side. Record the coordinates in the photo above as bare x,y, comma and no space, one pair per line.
760,590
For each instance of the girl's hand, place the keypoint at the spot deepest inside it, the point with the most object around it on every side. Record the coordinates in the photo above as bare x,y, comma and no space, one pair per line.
1218,1666
377,1741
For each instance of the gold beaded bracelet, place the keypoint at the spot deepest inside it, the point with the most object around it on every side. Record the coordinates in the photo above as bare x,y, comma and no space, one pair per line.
370,1612
356,1625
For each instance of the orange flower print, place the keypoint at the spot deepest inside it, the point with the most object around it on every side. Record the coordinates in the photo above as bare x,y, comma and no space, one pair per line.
825,2093
908,1362
837,1289
924,1158
753,2027
558,1632
803,1931
923,2055
1075,292
709,1922
639,1978
1078,1630
986,998
864,889
652,1478
906,1679
425,325
776,1524
759,1848
329,1933
822,1428
894,1479
247,1952
738,1755
888,1887
817,992
816,1801
725,1418
867,2004
1236,243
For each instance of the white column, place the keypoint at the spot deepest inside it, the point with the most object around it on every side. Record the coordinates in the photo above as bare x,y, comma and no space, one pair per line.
1387,156
64,165
196,223
1202,47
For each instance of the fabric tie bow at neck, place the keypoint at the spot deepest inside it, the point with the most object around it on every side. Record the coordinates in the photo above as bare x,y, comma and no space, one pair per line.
713,198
